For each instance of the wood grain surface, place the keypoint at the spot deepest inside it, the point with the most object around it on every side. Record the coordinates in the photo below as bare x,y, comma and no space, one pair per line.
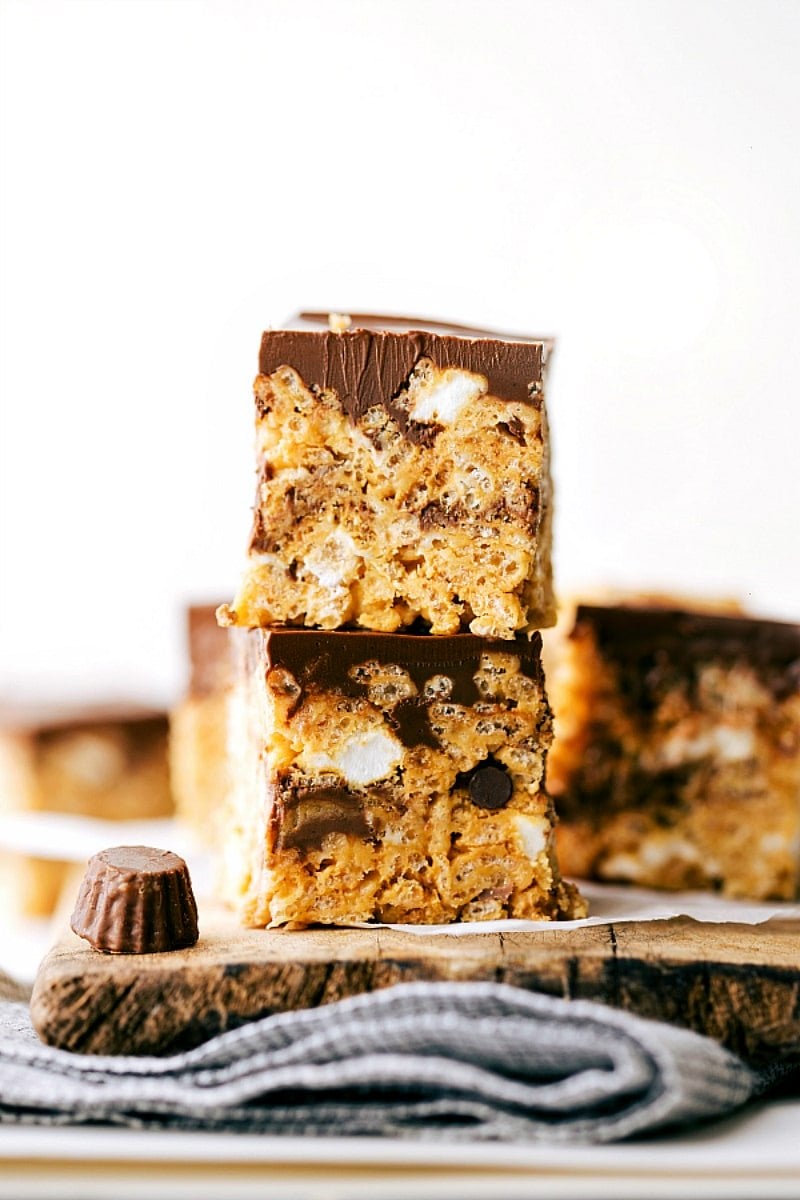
738,983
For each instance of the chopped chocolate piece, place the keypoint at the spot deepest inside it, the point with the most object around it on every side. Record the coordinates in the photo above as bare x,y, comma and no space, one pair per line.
136,900
303,817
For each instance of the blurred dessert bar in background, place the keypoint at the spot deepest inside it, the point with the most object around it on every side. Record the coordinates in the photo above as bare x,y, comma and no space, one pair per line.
197,744
107,762
677,757
390,777
403,480
556,638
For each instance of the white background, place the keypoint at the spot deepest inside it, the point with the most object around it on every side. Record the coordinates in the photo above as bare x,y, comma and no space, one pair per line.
177,175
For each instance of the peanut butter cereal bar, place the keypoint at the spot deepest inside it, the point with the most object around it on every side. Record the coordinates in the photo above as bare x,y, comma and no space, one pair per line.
677,758
198,727
403,479
395,778
105,761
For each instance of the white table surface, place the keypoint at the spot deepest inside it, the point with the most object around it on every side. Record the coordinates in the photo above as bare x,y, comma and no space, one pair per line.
755,1154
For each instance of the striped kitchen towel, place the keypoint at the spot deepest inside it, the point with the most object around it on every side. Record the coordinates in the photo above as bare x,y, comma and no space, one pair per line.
471,1061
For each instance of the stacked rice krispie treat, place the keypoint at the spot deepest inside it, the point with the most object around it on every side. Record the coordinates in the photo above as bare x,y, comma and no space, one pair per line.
388,724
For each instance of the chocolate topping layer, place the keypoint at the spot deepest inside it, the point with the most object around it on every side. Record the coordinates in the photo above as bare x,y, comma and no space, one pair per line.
371,366
136,900
329,661
209,651
649,642
30,718
403,324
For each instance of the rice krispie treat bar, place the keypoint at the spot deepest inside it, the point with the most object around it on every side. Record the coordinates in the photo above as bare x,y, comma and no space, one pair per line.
403,477
391,778
198,727
105,761
677,758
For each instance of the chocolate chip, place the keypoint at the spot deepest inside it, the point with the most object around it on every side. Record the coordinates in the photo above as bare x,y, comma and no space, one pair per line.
490,787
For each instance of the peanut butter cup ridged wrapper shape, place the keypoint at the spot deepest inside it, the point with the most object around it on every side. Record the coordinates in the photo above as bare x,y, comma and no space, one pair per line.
136,900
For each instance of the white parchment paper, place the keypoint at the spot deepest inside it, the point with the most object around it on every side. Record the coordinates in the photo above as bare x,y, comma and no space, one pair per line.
615,903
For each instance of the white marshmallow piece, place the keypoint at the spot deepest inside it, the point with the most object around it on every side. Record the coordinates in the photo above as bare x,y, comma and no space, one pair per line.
532,834
726,743
362,759
335,560
442,398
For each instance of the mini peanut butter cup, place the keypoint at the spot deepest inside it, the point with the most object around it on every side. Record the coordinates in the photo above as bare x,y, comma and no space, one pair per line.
136,900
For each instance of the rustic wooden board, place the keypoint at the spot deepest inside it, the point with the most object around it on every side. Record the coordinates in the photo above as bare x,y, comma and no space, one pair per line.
737,983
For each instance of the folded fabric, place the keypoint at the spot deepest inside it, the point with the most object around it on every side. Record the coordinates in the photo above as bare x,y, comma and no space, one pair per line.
11,990
467,1061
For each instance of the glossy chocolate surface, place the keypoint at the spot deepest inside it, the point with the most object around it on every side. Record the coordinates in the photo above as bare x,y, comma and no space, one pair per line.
329,661
209,651
136,900
369,364
395,323
490,787
655,644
